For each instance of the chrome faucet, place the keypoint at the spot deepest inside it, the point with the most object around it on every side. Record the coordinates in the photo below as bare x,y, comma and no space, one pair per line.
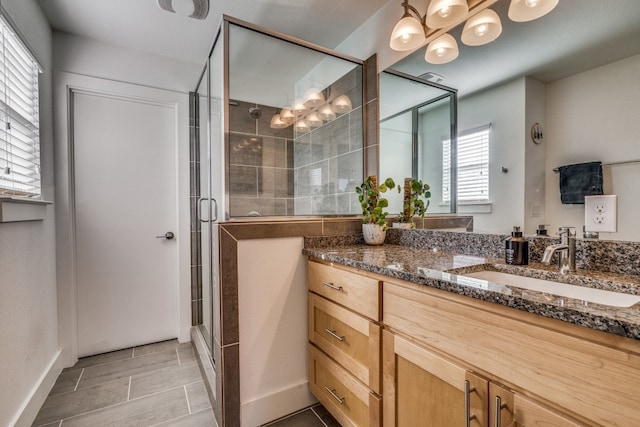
566,250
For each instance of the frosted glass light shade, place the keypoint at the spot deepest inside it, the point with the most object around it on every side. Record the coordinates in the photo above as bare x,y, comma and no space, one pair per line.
287,116
528,10
442,13
298,106
342,104
326,113
442,50
314,120
313,98
408,34
301,126
482,28
277,123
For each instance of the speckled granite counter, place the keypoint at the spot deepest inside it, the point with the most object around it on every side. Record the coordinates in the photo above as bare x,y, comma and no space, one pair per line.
445,270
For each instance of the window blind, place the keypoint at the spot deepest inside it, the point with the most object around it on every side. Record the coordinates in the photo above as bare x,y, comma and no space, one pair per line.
19,117
473,166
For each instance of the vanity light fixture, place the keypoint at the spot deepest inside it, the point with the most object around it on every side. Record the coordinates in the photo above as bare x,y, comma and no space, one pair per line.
442,50
482,28
314,120
287,116
313,98
442,13
528,10
483,25
301,126
298,106
277,123
326,113
342,104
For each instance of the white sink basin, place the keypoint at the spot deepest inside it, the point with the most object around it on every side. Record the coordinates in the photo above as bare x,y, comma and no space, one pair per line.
598,296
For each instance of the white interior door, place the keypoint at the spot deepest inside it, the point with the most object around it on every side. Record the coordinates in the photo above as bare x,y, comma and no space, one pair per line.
125,195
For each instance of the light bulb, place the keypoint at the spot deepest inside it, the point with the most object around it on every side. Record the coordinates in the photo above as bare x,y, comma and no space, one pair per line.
481,29
444,12
531,3
405,38
441,51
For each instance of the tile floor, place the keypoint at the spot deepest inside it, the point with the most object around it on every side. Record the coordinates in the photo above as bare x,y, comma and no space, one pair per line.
316,416
152,385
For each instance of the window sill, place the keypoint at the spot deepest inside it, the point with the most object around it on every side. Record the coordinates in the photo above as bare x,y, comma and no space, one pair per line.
474,207
16,209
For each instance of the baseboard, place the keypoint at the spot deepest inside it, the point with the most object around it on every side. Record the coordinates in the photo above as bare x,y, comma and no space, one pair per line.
276,405
32,404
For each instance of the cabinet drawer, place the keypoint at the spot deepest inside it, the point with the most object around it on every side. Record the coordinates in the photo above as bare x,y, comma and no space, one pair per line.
350,339
359,293
347,399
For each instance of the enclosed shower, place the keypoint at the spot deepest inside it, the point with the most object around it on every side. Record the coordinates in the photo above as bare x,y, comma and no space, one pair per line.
276,132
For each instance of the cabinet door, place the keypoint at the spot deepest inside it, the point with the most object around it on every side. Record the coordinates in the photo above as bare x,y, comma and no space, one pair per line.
510,409
422,388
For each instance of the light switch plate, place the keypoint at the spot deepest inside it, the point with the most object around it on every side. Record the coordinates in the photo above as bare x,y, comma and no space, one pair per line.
601,213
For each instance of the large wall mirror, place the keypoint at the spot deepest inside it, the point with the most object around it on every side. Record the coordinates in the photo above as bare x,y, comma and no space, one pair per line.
574,72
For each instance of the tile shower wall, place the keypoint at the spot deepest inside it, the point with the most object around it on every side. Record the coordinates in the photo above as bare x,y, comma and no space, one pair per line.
328,160
260,163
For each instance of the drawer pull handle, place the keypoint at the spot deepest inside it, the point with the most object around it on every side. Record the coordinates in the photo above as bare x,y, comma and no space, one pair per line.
467,403
333,334
332,392
499,407
332,286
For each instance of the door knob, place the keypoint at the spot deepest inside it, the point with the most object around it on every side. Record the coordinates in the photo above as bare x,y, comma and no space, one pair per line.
168,235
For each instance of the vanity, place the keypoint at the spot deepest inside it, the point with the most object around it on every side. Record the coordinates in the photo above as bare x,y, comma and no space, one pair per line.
404,335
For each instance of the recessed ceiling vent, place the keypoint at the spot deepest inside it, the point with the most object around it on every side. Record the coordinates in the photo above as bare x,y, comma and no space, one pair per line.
200,8
432,77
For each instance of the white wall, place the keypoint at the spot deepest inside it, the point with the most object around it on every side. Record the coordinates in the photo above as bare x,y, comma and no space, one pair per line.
594,116
92,65
534,174
272,301
97,59
504,108
28,313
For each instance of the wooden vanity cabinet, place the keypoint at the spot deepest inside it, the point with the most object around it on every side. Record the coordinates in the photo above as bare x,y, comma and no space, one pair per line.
344,343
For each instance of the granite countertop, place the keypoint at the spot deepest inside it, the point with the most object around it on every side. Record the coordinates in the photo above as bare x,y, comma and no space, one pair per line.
445,270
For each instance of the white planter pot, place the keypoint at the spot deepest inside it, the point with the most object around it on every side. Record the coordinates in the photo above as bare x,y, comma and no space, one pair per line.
403,225
373,234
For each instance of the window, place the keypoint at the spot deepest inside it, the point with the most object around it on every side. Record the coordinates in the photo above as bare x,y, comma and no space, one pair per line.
19,117
473,166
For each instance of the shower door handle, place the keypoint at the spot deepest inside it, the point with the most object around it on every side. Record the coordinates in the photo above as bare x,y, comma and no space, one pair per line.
215,210
168,235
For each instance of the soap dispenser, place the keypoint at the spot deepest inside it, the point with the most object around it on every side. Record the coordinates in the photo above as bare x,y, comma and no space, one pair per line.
516,248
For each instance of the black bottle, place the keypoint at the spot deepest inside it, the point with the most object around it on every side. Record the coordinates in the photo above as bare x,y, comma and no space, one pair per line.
516,250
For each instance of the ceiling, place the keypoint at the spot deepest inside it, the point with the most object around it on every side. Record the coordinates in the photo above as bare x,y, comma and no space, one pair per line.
142,25
576,36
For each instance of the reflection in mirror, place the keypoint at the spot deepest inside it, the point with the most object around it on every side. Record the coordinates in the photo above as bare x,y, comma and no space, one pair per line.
579,81
295,128
416,119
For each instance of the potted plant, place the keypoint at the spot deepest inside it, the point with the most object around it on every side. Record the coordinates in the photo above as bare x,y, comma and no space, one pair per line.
374,226
415,195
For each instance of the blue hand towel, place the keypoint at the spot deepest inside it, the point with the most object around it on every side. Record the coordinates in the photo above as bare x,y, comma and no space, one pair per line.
579,180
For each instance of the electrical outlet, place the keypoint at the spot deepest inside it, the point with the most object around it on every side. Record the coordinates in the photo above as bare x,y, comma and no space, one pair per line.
600,213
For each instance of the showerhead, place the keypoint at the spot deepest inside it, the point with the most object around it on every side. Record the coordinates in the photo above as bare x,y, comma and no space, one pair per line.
255,112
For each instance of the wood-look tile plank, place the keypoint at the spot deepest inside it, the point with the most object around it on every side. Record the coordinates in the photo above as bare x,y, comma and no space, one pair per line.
66,405
197,419
128,367
198,396
164,379
306,418
66,382
143,350
100,359
145,411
